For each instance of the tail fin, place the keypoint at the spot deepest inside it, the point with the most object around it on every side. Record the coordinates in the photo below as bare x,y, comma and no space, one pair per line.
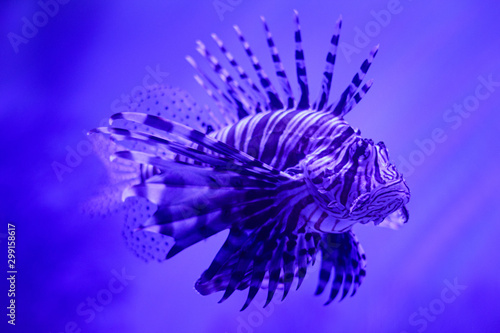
106,198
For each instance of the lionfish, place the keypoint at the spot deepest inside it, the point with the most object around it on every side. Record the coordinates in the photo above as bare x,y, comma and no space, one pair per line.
287,176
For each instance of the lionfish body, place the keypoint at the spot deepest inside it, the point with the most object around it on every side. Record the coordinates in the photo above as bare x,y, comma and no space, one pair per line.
287,177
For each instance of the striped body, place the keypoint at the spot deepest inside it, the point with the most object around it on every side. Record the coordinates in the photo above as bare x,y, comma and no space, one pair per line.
288,177
284,138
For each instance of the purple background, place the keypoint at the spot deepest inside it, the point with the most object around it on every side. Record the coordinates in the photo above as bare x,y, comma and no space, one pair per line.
63,81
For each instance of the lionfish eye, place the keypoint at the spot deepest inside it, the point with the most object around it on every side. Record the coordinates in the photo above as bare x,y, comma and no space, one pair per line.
362,149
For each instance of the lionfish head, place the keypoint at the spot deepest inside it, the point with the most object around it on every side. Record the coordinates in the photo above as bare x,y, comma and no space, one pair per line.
360,184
